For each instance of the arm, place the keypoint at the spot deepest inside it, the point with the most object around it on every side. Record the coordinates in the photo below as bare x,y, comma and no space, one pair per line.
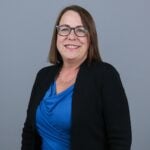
28,129
116,111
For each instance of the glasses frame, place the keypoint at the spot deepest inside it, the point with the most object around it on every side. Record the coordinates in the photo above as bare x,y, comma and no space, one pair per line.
70,29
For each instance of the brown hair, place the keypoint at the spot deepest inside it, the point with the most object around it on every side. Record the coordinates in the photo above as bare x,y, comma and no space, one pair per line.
88,22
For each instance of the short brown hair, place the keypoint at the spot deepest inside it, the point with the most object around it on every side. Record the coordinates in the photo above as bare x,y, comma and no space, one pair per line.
88,22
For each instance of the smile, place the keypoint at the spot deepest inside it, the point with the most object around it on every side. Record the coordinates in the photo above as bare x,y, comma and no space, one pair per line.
72,46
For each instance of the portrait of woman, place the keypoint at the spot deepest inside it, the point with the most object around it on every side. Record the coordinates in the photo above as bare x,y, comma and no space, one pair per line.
78,102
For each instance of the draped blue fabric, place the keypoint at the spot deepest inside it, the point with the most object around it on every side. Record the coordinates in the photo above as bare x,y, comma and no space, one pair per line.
53,119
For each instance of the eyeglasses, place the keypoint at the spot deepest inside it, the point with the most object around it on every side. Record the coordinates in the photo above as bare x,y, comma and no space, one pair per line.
65,30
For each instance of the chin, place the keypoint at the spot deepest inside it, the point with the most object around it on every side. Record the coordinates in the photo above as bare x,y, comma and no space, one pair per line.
71,58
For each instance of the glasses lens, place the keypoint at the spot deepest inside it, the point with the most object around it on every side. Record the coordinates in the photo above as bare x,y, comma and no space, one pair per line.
80,31
63,30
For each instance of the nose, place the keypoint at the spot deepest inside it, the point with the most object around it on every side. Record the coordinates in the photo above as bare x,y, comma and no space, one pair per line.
72,35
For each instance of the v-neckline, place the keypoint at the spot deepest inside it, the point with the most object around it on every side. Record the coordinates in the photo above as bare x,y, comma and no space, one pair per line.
64,91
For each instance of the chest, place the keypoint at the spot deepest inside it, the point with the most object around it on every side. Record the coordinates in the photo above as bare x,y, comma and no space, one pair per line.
87,108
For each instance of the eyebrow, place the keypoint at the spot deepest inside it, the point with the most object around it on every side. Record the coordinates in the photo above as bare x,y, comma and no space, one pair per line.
70,26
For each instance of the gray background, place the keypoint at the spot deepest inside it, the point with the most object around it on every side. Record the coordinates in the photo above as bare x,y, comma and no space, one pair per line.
25,33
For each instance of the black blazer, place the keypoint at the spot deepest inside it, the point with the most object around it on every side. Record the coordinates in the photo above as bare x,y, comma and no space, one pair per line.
100,113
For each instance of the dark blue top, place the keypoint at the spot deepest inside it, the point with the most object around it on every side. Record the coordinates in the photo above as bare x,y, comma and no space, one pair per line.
53,119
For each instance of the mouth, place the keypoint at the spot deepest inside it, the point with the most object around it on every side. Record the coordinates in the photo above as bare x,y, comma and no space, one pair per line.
71,46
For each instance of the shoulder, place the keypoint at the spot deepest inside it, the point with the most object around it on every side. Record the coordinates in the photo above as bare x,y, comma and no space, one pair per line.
104,68
106,73
101,72
110,75
48,70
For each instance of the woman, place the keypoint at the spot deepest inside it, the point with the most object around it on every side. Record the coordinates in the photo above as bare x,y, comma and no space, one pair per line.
79,102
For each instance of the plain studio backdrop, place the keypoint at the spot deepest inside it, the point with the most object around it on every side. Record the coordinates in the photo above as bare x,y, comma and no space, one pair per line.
25,34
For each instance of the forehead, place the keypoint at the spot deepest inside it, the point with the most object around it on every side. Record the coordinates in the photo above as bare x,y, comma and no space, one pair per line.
71,18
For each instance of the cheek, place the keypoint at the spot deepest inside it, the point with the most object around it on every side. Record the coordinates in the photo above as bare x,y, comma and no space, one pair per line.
60,40
86,43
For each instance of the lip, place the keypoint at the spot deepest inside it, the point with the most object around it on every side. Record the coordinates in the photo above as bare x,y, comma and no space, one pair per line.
71,46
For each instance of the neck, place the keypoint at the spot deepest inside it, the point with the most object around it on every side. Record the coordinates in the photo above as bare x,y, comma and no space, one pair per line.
68,74
71,65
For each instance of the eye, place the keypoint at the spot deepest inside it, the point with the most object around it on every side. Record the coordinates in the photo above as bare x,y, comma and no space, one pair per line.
64,29
80,31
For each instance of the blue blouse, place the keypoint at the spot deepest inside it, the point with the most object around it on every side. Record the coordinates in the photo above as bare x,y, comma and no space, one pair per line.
53,119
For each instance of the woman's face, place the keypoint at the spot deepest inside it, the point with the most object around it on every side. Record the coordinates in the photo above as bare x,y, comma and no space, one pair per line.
72,47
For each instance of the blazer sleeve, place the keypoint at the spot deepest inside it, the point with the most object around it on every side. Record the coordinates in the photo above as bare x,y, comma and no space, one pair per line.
116,111
28,129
